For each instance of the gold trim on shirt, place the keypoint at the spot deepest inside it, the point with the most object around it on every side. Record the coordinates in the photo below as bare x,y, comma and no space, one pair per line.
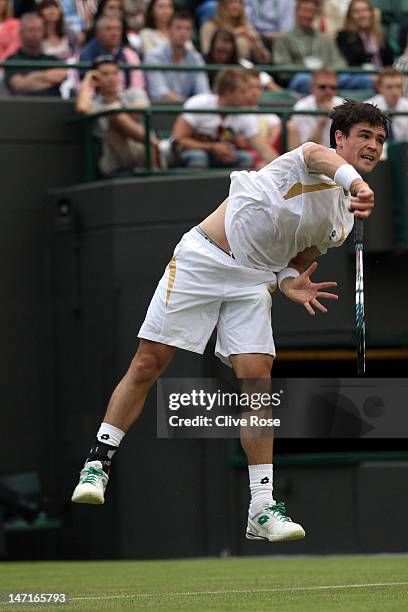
342,236
299,188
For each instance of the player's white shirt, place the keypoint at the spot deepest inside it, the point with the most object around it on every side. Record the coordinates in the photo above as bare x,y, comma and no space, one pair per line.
209,125
276,213
399,124
306,124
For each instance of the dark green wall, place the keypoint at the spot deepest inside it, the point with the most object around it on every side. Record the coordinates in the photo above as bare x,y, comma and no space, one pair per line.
37,152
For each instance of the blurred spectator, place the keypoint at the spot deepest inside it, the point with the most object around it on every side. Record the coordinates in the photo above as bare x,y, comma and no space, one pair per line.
87,11
26,81
176,86
271,17
312,128
157,24
72,18
269,124
390,86
122,135
230,15
112,8
209,140
135,20
108,41
333,14
203,10
223,50
9,30
361,41
305,46
58,40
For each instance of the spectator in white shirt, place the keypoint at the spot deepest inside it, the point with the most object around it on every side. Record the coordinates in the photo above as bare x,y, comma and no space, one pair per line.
269,124
315,128
390,98
210,140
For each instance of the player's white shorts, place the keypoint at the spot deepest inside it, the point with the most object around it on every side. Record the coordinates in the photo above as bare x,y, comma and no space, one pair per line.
203,287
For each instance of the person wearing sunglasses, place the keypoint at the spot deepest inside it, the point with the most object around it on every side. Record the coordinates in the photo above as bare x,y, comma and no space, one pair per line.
316,128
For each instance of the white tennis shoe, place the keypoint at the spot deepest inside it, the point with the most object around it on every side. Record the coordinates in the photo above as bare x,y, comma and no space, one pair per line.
92,484
273,525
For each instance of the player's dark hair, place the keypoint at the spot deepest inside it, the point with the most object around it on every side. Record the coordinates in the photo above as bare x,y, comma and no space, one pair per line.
350,113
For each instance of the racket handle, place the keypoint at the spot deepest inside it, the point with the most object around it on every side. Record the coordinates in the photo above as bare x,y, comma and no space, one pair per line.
358,230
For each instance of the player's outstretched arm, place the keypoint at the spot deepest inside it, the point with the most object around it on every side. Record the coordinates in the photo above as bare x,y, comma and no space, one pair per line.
303,290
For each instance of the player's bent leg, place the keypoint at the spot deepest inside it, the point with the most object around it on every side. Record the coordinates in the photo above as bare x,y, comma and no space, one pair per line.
267,519
127,400
124,407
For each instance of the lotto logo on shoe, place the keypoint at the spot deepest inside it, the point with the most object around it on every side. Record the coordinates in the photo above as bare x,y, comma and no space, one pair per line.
263,519
265,480
105,437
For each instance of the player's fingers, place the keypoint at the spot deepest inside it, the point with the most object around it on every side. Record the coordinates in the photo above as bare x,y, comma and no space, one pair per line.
357,205
362,214
327,296
309,309
325,285
363,196
310,269
318,305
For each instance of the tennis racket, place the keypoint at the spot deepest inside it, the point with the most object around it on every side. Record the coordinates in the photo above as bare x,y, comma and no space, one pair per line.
360,321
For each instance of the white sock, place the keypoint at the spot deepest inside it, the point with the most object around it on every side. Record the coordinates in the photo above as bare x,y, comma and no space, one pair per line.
261,485
109,434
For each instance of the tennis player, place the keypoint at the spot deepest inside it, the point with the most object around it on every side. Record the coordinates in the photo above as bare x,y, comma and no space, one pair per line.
267,233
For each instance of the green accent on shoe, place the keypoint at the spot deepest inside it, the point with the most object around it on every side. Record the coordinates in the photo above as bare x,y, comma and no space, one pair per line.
92,474
279,510
263,519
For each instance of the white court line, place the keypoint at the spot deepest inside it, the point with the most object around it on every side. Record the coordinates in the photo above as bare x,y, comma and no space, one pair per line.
245,592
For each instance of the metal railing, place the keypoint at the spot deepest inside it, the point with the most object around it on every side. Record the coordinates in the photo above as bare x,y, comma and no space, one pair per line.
271,68
87,122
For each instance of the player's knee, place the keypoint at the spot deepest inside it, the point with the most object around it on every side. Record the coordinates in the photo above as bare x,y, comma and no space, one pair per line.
145,368
252,368
260,370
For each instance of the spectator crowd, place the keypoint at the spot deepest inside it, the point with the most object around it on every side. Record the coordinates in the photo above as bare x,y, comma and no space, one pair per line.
321,39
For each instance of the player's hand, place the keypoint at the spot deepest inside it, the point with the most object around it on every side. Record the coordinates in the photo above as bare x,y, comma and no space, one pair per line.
303,291
362,199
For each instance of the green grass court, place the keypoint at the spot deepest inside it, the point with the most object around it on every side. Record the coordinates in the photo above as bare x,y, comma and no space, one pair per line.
352,584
